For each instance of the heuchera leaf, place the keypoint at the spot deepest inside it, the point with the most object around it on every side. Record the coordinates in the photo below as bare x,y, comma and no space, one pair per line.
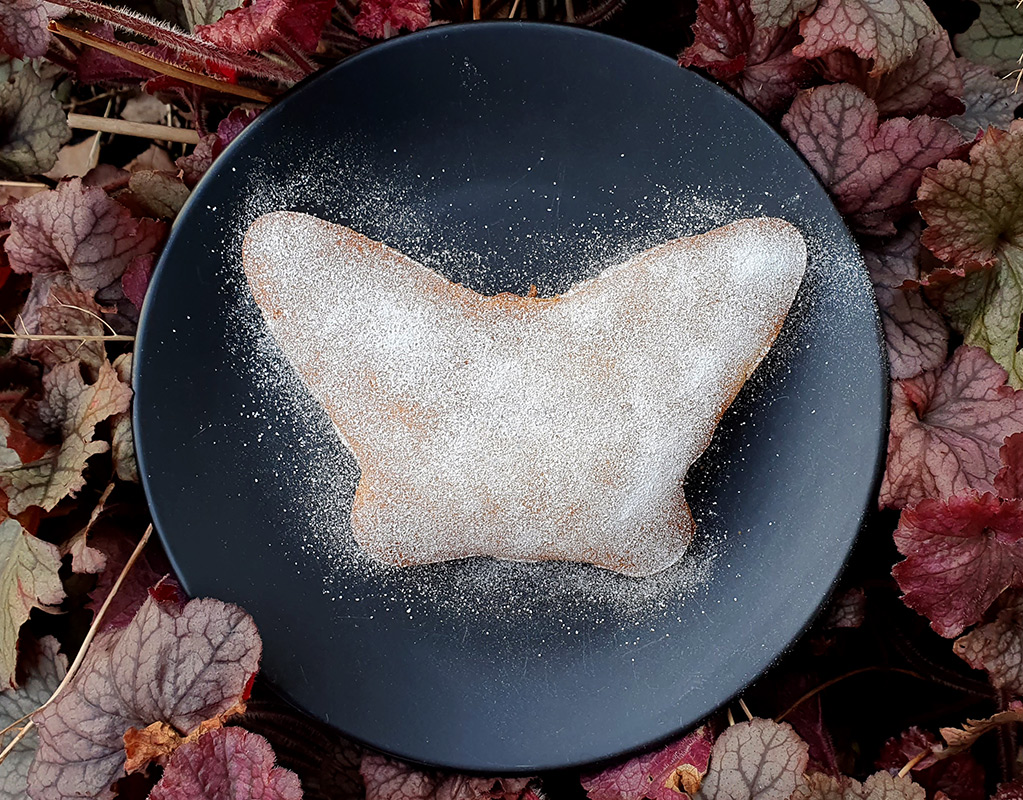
65,310
671,773
1009,480
960,555
974,214
926,83
226,764
974,211
998,646
80,229
779,13
263,24
76,408
887,31
44,667
33,125
756,760
758,63
381,19
880,786
28,579
158,194
86,559
23,31
996,36
179,665
387,779
871,170
947,426
990,100
206,12
122,439
149,570
960,777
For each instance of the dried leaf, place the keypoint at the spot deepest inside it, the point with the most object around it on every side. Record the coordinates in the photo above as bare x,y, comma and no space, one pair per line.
387,779
28,579
960,555
32,125
887,31
998,646
996,36
80,229
960,777
158,194
157,742
880,786
76,407
947,426
226,764
959,739
179,665
86,559
152,158
756,760
871,170
44,667
757,63
75,160
65,310
988,98
670,773
381,19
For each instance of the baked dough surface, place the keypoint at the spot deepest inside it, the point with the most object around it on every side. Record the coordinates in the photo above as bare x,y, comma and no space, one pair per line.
524,428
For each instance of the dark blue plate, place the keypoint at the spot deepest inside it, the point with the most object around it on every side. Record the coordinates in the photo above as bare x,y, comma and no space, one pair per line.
505,155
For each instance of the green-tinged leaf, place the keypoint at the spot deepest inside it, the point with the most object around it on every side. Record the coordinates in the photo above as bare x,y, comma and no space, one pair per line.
206,12
989,99
28,579
44,667
32,125
76,408
779,13
996,36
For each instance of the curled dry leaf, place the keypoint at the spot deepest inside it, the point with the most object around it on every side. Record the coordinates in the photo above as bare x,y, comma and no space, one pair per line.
157,742
960,555
758,63
387,779
997,647
44,667
990,99
173,664
947,427
996,37
226,764
32,124
871,169
75,407
79,229
670,773
880,786
756,760
959,739
381,19
28,579
887,31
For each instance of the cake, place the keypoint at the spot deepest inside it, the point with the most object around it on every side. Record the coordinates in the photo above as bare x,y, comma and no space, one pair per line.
523,427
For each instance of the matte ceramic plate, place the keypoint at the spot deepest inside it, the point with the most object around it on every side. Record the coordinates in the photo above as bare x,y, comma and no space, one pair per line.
505,155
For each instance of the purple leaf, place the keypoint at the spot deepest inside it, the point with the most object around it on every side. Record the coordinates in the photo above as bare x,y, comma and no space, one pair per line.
33,125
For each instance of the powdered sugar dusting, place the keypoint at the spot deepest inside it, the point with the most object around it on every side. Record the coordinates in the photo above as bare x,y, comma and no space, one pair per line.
524,428
316,539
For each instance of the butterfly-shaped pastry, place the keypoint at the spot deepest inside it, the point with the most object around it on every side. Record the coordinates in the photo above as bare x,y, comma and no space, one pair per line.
524,428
